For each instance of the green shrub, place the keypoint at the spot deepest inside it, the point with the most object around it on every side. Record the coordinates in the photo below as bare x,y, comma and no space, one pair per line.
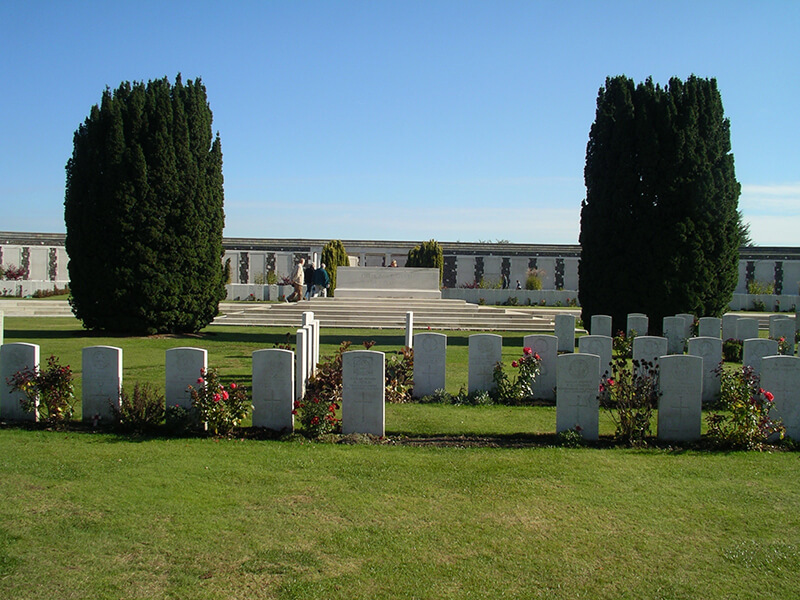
334,255
732,350
220,408
630,395
142,411
760,287
48,392
428,254
400,376
741,416
520,389
533,280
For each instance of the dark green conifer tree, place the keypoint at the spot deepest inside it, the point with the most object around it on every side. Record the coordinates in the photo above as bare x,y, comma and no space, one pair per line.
660,229
427,254
334,255
144,211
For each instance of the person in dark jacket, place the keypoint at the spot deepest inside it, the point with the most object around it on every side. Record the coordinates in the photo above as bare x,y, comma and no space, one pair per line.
321,282
308,276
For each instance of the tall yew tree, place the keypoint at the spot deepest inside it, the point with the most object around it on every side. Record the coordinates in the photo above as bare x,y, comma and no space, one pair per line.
660,229
143,211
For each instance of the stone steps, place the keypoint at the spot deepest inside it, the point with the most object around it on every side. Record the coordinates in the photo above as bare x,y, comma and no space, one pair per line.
11,307
385,313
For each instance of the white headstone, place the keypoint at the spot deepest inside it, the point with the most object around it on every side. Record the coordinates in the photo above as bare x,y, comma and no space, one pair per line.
16,357
409,329
688,321
317,327
577,406
184,366
309,349
2,328
430,360
783,328
102,382
754,349
565,332
637,322
273,389
602,346
679,405
674,330
308,318
729,326
301,363
485,351
746,328
649,348
780,375
546,346
363,392
601,325
710,350
709,327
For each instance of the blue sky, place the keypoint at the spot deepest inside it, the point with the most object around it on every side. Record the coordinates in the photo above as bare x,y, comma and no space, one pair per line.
459,121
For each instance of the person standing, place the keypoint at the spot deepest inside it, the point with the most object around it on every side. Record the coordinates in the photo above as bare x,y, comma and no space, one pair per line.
308,277
297,282
321,281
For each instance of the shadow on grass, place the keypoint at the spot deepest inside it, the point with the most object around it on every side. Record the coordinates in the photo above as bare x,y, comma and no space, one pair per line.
110,435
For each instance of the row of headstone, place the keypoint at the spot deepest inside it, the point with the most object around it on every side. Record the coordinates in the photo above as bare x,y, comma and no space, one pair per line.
681,385
274,391
677,329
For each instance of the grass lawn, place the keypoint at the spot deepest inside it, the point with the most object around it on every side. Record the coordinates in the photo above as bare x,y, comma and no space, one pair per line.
96,515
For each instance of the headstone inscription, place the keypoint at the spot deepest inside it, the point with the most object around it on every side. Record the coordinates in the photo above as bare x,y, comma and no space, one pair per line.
637,322
485,351
565,332
15,357
601,325
674,332
602,346
273,389
688,321
577,406
546,346
710,350
780,375
746,328
363,392
184,366
648,348
709,327
729,326
679,405
430,360
755,349
102,382
783,328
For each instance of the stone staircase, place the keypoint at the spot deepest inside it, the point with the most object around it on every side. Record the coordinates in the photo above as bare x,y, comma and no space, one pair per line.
387,313
13,307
